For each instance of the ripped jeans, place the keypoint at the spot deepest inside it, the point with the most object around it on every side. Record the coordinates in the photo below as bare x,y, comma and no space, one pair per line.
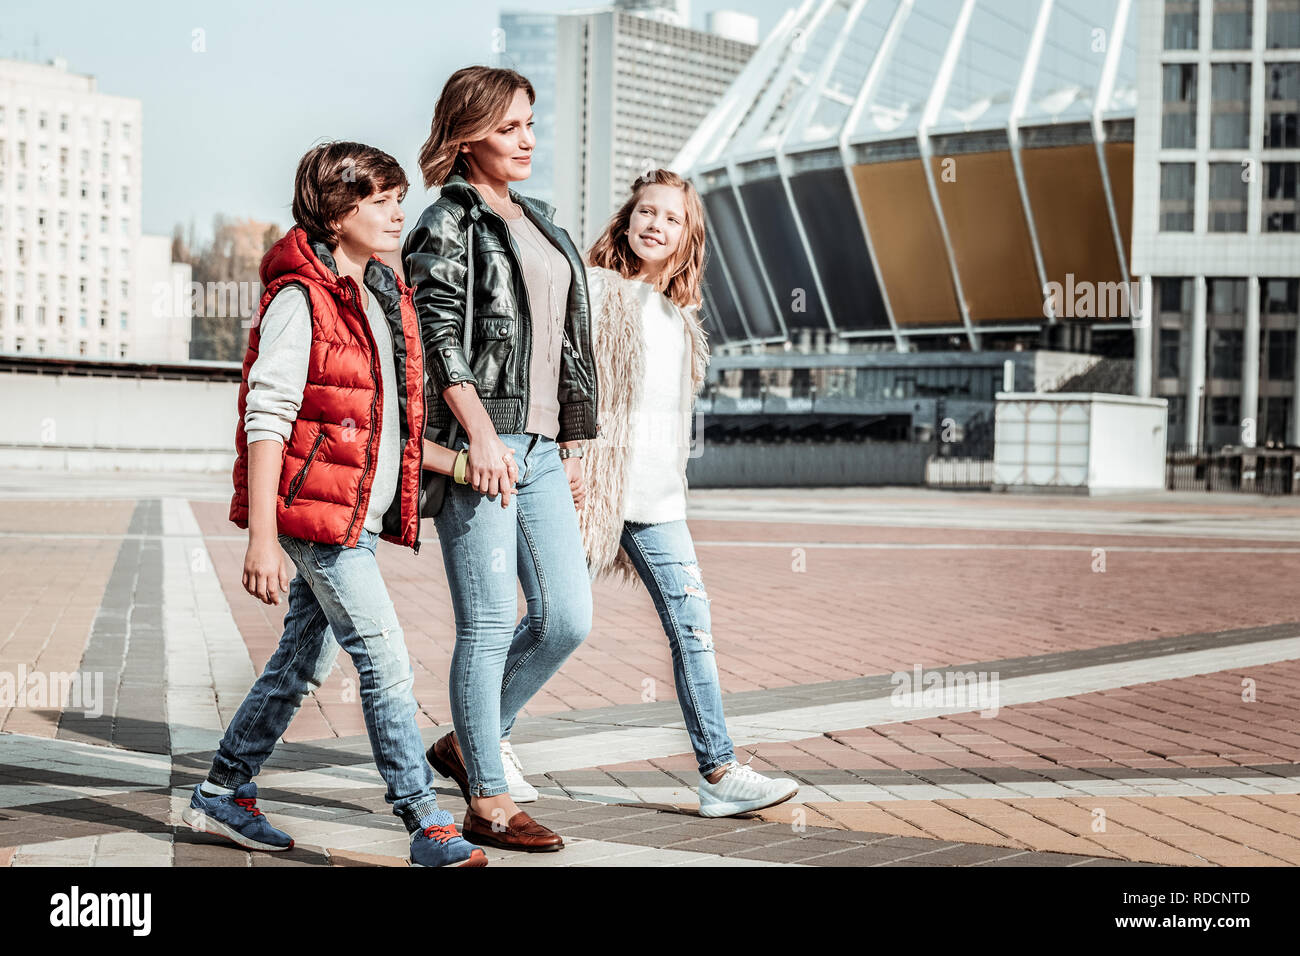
664,556
337,600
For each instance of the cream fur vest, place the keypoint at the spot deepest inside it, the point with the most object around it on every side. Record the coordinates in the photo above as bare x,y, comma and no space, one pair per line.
618,340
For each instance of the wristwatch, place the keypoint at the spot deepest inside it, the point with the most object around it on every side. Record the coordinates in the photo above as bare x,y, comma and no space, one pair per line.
570,453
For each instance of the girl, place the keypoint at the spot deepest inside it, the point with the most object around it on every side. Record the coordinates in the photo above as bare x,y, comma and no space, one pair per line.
651,355
525,397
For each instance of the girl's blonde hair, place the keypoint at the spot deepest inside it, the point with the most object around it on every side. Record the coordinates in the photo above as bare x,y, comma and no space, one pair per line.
685,268
472,103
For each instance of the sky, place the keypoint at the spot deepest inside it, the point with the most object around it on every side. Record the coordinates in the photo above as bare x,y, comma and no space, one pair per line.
224,127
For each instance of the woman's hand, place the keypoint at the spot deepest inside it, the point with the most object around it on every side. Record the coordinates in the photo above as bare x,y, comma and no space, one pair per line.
573,469
491,468
265,574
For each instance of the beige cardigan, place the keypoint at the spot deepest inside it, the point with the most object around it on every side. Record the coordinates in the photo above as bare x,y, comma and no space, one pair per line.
619,345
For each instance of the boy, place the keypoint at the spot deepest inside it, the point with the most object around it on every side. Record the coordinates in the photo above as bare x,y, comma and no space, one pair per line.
329,458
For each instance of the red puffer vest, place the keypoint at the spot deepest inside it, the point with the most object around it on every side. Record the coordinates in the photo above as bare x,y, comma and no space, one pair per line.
329,460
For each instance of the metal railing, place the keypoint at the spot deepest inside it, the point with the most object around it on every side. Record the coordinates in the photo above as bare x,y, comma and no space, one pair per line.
1261,471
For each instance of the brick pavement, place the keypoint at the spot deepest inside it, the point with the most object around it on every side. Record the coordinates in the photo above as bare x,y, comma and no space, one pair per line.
816,600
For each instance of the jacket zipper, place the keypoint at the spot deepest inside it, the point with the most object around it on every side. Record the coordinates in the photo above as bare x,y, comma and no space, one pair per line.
298,479
419,475
374,398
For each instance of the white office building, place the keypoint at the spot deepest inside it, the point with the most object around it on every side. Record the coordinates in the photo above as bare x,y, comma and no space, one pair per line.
621,92
76,273
1216,216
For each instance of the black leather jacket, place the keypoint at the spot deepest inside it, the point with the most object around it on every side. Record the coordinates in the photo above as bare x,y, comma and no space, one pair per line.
434,257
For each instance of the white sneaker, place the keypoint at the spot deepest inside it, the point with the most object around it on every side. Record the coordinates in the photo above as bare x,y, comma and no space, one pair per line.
521,791
742,790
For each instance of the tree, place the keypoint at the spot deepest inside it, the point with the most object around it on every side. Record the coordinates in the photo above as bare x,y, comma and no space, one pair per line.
226,270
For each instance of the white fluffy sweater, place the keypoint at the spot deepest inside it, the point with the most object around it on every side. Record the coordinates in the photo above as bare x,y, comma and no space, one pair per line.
635,470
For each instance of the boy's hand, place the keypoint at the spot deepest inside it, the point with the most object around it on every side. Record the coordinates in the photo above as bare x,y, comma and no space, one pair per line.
265,573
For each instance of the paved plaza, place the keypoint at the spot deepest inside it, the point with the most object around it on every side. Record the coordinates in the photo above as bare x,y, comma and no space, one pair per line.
955,679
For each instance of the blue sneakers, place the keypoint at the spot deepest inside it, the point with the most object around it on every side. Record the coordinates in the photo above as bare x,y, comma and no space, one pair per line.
438,844
236,817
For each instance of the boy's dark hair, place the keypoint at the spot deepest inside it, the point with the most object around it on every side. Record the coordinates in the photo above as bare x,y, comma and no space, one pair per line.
332,178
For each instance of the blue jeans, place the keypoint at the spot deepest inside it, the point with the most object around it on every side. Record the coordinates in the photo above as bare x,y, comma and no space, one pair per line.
498,665
338,599
664,557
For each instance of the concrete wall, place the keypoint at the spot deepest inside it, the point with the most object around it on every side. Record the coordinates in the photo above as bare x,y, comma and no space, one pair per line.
789,465
76,423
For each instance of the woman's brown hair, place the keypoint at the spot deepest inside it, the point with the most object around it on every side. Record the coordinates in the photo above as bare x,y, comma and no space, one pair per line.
471,104
684,269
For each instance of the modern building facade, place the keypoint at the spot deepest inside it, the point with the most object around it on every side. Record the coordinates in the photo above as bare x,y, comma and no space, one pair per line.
76,272
629,91
1216,234
917,174
527,43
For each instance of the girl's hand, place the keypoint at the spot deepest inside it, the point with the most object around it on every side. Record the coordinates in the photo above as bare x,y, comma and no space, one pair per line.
573,469
491,468
265,574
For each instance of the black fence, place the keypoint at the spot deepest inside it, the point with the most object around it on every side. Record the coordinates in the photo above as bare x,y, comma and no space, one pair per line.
1261,471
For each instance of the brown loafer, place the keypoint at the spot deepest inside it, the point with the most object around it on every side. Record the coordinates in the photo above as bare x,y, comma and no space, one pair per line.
521,832
445,758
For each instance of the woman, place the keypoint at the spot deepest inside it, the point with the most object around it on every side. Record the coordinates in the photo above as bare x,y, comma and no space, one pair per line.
525,398
651,355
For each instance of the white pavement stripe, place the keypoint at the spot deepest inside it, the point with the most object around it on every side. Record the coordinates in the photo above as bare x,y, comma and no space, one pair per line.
1266,524
975,546
108,849
1017,690
107,771
580,852
644,743
207,659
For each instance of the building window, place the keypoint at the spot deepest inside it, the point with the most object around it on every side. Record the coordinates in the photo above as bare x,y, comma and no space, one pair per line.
1280,351
1228,193
1277,421
1226,298
1182,24
1280,205
1230,106
1226,310
1225,410
1171,353
1283,25
1232,23
1280,297
1282,106
1177,196
1179,123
